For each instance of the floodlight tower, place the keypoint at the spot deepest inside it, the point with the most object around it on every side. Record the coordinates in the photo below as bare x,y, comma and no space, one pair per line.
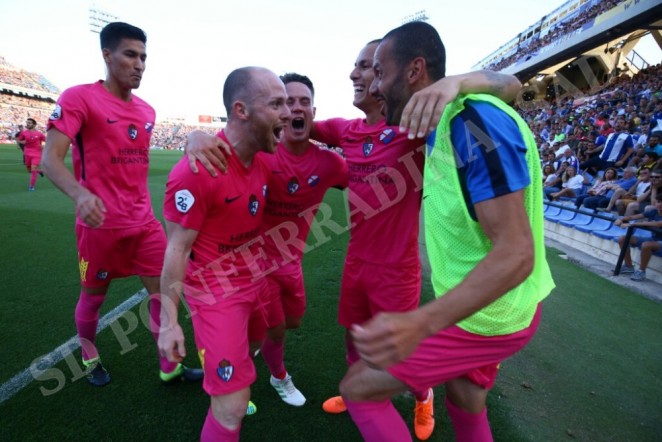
421,15
100,18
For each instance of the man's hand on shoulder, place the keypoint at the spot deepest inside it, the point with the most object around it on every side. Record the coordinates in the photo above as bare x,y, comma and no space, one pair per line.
209,150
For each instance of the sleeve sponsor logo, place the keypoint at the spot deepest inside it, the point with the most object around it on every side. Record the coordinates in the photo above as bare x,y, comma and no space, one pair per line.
184,200
57,113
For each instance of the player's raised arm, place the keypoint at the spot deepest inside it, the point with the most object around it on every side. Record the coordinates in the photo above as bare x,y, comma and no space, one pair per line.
425,107
89,207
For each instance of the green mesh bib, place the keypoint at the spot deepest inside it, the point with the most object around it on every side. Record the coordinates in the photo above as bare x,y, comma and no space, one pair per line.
456,243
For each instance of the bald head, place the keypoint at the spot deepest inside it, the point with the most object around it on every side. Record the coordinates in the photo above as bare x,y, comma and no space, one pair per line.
246,85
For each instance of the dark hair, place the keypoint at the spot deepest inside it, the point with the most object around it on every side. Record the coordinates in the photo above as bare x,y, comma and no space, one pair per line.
419,39
613,169
113,33
32,120
237,87
292,77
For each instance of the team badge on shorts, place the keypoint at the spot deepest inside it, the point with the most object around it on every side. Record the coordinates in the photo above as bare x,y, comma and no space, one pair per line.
313,180
102,275
225,370
133,132
367,146
387,136
292,185
253,205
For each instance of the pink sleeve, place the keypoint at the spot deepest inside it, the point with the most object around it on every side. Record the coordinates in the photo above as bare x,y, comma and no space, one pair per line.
329,131
69,114
186,199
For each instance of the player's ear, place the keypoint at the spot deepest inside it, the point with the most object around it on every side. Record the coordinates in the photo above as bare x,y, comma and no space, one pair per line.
106,55
416,70
240,109
314,112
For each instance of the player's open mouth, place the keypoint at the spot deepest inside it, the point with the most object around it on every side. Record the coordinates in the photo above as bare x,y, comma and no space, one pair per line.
277,133
298,123
358,89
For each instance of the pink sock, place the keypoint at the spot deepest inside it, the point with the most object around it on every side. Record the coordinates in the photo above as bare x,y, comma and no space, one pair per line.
213,431
352,355
469,427
33,178
155,324
378,421
272,352
87,319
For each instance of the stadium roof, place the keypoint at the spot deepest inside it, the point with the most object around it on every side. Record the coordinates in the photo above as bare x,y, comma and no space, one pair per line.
617,29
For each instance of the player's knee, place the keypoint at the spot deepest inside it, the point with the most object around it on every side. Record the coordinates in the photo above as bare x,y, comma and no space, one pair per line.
351,387
229,410
348,389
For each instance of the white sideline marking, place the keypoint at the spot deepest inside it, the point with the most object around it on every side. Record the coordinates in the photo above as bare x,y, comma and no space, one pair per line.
23,379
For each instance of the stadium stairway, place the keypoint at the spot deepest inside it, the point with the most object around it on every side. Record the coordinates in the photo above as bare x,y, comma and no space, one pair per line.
595,236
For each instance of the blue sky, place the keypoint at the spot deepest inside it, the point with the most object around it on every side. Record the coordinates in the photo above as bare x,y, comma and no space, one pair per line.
193,44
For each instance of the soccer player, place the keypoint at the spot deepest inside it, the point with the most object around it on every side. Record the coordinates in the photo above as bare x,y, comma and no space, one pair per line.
489,275
109,128
382,268
302,172
32,141
383,274
213,252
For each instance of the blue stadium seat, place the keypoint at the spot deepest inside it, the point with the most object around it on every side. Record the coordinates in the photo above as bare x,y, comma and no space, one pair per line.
563,215
552,211
612,233
581,219
597,224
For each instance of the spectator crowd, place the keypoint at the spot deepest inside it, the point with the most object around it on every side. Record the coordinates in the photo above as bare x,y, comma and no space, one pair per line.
530,47
20,77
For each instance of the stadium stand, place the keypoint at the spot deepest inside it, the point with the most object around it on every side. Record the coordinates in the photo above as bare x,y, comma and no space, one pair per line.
572,119
25,94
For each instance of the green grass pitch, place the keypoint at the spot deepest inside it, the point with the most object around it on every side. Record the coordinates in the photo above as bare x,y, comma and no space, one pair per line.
592,373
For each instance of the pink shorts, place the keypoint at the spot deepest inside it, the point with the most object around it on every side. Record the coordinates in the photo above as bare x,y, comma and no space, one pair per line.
368,289
223,330
106,254
32,160
287,292
453,353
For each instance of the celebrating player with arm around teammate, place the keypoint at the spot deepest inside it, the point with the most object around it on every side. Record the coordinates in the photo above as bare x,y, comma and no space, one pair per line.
489,276
214,251
109,128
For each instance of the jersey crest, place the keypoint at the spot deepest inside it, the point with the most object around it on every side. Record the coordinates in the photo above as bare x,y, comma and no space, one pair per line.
368,145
